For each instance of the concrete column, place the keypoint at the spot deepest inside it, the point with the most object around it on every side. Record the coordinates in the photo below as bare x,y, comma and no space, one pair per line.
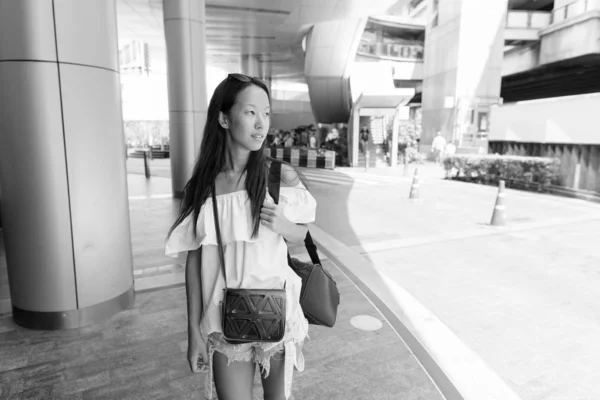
251,66
65,211
186,75
266,74
394,145
354,134
463,62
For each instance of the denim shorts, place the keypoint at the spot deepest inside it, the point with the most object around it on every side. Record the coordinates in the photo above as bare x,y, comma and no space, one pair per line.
260,353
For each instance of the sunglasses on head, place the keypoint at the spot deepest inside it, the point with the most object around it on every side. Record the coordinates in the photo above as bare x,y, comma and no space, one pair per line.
245,78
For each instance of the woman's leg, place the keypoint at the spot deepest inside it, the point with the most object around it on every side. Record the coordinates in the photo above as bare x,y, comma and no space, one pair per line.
233,381
274,384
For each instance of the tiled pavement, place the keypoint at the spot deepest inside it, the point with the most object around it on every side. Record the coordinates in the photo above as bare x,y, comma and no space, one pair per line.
140,354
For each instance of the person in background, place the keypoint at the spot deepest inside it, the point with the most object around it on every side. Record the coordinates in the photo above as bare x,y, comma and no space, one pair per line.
364,138
303,137
437,147
278,141
312,140
288,140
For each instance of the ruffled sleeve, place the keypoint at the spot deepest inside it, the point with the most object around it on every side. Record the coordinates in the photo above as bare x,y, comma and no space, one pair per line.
182,238
299,206
235,221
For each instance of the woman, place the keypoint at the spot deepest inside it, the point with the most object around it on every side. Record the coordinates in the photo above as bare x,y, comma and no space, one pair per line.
254,233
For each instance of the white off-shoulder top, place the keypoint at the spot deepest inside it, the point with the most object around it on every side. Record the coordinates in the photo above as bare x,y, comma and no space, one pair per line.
252,263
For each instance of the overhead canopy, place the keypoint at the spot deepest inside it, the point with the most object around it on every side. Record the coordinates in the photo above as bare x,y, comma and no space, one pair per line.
388,99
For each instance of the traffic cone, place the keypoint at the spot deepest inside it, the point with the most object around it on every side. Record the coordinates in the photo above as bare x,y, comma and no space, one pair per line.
414,188
499,215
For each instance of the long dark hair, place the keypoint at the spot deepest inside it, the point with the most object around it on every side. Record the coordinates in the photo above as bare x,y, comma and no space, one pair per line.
214,157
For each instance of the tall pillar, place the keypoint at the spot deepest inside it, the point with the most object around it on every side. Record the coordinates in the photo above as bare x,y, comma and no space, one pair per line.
266,74
251,65
394,145
185,36
354,133
65,211
463,62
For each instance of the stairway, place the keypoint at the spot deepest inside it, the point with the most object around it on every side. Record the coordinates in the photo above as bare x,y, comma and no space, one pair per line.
377,131
376,146
376,157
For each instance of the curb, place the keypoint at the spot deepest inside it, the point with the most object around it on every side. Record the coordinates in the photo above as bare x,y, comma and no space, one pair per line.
458,372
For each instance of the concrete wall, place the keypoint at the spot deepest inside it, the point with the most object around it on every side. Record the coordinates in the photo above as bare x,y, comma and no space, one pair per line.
330,49
521,59
463,65
401,70
291,106
572,119
288,121
571,38
440,69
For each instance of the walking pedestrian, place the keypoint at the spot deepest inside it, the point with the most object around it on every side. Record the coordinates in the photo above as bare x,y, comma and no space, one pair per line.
231,173
312,141
364,139
288,140
437,147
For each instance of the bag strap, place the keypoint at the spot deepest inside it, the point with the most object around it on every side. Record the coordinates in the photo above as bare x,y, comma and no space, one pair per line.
217,227
274,188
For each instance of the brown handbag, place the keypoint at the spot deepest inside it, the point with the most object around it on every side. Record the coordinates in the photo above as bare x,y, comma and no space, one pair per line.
249,315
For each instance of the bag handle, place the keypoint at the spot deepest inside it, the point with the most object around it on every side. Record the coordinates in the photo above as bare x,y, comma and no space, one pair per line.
274,188
217,227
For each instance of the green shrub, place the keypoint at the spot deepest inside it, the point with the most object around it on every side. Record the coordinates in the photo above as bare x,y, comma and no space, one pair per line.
517,171
408,133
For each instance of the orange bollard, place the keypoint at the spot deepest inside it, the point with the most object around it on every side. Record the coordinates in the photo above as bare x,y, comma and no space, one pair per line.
499,215
414,188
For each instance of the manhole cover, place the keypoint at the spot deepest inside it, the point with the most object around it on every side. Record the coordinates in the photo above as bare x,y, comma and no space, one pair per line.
366,323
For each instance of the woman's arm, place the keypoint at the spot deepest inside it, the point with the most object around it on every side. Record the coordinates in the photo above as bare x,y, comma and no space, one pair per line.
193,289
197,353
294,233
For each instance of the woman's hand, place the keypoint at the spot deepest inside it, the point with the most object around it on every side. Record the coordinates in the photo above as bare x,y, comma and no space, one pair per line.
273,218
197,353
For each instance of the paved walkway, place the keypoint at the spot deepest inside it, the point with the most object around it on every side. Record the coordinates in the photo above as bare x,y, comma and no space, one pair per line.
523,297
140,353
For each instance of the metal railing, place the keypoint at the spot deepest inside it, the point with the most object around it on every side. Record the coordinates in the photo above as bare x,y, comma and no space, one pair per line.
528,19
574,9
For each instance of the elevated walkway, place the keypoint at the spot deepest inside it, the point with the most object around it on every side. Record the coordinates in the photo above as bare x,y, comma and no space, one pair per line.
524,26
